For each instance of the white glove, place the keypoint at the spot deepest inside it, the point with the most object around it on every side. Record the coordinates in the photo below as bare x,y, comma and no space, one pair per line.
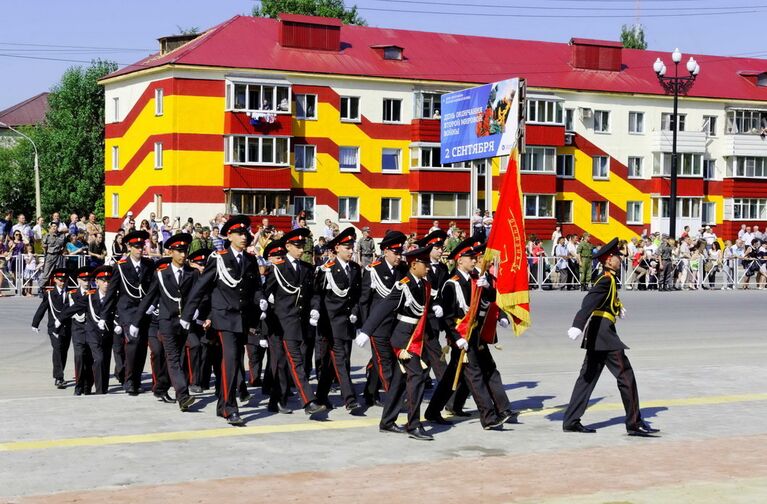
482,281
196,315
462,344
263,304
361,339
102,325
313,322
437,309
56,324
622,313
503,322
262,316
118,329
184,324
263,343
133,331
36,330
150,310
573,333
353,318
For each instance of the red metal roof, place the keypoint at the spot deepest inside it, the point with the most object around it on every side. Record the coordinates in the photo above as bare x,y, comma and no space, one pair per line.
594,42
248,42
27,113
298,18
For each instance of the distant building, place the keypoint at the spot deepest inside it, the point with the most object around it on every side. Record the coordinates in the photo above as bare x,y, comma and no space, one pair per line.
27,113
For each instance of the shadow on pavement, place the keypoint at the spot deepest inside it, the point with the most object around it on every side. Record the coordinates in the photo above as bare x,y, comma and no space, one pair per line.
620,420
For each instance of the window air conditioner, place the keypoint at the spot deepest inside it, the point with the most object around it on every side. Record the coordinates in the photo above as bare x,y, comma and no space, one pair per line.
585,113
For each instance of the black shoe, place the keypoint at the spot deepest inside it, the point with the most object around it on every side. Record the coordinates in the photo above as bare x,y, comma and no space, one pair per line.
195,389
420,434
437,419
185,402
234,419
244,397
59,383
352,406
132,392
459,413
496,424
510,416
642,430
78,391
164,397
279,408
393,428
313,408
578,427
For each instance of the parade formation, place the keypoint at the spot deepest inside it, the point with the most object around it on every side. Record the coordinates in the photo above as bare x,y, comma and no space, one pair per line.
197,314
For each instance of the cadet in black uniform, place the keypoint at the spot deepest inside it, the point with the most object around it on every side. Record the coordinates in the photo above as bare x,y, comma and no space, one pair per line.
232,280
378,279
202,352
128,287
438,275
338,284
603,347
83,359
157,361
53,303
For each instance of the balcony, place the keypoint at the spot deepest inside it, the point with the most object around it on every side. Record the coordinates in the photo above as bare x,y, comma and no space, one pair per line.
744,145
425,130
686,141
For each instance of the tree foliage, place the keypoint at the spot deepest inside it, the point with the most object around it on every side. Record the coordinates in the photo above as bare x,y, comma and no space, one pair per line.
192,30
17,179
326,8
632,37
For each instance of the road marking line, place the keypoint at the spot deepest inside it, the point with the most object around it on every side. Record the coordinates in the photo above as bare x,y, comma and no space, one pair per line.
308,426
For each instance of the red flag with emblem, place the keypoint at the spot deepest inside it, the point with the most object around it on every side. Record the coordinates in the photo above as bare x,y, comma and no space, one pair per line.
415,344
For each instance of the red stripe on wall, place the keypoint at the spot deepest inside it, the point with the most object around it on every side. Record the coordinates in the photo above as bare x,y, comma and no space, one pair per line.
592,150
576,186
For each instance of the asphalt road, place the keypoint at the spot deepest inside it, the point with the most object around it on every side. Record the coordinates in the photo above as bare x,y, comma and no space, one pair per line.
700,365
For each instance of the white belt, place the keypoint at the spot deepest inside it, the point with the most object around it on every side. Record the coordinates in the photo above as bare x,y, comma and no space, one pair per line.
482,313
406,319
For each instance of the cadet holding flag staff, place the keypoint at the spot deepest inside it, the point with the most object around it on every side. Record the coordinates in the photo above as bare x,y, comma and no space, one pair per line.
437,276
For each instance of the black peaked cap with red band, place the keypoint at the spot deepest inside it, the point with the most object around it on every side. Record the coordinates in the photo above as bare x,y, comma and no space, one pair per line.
608,249
346,237
468,247
61,273
436,238
420,254
162,262
199,255
102,273
136,238
84,273
297,236
393,240
236,224
179,241
275,248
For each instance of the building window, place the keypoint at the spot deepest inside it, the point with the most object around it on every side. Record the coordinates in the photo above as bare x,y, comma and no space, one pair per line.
159,96
636,122
116,205
392,110
709,125
539,206
709,169
258,202
348,209
545,111
749,209
390,209
350,108
564,211
635,167
687,208
349,158
566,166
157,155
747,166
115,157
539,159
600,167
634,212
569,119
688,165
746,121
158,204
440,205
601,121
709,213
392,53
305,157
306,106
257,150
665,121
116,109
258,97
305,204
599,212
390,160
429,157
428,105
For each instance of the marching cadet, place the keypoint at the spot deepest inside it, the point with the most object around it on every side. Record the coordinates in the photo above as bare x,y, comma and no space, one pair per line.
438,275
378,279
410,299
456,297
132,277
83,359
202,353
339,283
157,361
276,383
168,293
603,347
53,303
232,280
290,287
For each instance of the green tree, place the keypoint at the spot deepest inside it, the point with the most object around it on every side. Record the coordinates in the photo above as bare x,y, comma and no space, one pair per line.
632,37
327,8
17,176
192,30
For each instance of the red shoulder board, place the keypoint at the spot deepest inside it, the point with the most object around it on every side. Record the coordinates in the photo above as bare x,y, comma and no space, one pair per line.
72,291
163,267
122,261
375,263
222,252
456,278
405,280
278,261
330,264
92,291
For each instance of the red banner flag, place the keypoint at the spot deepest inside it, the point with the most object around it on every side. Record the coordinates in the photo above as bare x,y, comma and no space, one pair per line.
507,244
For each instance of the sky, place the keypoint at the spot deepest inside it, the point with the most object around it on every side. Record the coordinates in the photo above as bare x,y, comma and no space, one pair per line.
36,34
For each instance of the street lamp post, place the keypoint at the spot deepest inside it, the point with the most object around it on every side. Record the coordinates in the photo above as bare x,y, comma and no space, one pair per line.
676,85
38,206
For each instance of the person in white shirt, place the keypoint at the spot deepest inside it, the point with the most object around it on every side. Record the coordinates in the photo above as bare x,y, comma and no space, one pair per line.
747,237
757,233
742,231
128,218
709,236
434,227
555,239
327,231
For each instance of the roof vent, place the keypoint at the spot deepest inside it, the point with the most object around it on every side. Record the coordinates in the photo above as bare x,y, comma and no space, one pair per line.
173,42
755,77
596,54
310,32
389,52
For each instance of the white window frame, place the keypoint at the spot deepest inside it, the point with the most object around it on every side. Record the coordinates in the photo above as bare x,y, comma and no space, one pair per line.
709,125
158,204
424,98
432,150
357,159
607,212
398,203
538,198
569,204
304,148
116,205
159,98
635,208
390,109
708,213
349,99
390,152
229,142
665,121
597,168
569,121
709,172
343,201
158,156
603,122
685,159
563,158
636,123
301,98
115,157
304,200
231,86
747,167
745,121
756,209
545,111
419,200
549,162
116,109
640,162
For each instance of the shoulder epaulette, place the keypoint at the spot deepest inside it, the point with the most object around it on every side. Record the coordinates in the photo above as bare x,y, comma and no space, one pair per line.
455,278
330,264
222,252
163,267
72,291
92,291
122,261
405,280
278,261
375,263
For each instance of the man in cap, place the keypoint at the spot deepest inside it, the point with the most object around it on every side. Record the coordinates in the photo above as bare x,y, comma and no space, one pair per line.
202,353
54,244
157,362
232,280
168,293
290,287
585,251
132,277
366,247
378,279
603,347
338,284
54,302
438,275
83,358
410,300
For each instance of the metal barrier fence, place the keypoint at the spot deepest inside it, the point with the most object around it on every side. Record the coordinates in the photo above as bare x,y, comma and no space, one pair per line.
22,274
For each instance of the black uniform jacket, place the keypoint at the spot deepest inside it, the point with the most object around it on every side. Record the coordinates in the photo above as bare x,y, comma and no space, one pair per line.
76,318
370,297
231,307
53,304
291,293
338,308
90,305
438,275
168,310
601,305
452,308
396,303
126,290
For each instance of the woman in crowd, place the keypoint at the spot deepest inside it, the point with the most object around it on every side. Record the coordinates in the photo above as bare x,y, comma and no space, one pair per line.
152,247
31,269
713,265
75,248
14,251
119,249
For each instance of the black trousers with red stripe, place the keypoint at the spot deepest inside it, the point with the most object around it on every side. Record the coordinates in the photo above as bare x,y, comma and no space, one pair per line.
158,363
135,355
491,378
191,360
293,352
412,383
337,365
593,364
232,353
60,341
83,378
383,362
432,354
173,345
